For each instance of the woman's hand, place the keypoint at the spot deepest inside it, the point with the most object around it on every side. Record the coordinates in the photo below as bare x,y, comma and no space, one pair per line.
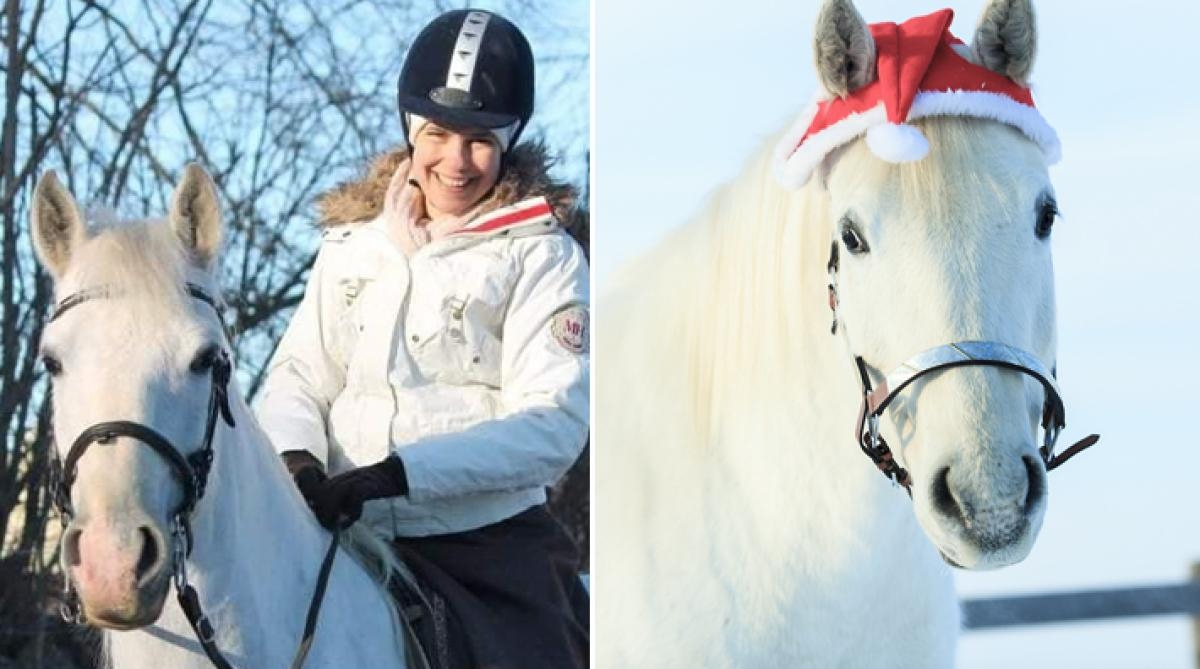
338,502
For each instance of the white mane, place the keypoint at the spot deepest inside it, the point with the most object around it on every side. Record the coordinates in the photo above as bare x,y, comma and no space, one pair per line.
715,288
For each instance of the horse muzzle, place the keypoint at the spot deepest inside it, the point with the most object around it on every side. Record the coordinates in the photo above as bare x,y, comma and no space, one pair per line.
984,525
121,572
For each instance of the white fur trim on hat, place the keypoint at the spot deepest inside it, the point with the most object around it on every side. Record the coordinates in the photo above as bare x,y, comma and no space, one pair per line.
994,106
795,164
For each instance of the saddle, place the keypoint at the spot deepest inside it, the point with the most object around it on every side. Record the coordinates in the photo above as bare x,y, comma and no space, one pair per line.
433,637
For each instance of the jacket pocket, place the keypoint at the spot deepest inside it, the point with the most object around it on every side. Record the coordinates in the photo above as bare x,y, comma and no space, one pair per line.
455,330
349,321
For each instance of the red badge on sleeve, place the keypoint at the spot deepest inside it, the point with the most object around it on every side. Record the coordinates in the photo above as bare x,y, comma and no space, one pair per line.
570,328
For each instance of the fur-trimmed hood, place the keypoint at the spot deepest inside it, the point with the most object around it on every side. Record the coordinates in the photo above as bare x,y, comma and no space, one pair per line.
526,175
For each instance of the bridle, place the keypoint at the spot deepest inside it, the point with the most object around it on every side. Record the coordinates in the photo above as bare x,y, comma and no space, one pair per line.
956,354
192,471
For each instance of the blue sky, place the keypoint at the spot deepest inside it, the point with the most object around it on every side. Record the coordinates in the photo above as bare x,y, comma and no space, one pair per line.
683,97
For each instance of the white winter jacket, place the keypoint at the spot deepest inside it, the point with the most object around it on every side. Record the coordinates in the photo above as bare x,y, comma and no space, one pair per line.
468,360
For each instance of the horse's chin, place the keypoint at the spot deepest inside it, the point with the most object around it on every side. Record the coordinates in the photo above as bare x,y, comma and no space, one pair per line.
984,562
142,608
995,533
964,548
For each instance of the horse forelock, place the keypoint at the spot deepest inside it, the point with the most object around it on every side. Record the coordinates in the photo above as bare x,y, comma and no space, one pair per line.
953,211
139,262
966,161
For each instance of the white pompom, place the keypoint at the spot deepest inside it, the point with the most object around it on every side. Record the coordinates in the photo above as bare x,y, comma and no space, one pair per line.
897,143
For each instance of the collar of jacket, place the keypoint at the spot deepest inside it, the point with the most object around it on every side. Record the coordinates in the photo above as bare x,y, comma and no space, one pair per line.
526,175
527,216
533,216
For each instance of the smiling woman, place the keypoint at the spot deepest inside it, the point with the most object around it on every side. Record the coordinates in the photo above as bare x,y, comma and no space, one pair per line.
423,384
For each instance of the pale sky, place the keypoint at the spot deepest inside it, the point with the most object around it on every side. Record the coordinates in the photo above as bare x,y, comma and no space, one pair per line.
684,93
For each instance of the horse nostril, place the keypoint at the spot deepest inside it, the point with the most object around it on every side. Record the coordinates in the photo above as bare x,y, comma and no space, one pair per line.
150,553
71,548
944,500
1037,482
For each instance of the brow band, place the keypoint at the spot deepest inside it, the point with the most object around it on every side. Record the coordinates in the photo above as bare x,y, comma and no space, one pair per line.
76,299
88,294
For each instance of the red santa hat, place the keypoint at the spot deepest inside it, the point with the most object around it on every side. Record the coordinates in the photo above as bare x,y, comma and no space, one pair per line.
918,74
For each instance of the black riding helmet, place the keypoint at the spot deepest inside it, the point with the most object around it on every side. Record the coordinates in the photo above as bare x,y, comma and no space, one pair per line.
469,68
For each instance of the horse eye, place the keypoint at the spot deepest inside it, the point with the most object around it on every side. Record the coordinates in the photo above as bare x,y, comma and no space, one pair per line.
852,240
1046,216
205,359
51,364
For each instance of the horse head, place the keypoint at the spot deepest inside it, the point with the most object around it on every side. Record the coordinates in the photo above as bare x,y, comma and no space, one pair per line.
130,345
939,237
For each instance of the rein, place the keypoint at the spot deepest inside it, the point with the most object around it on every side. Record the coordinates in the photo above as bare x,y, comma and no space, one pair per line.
192,470
956,354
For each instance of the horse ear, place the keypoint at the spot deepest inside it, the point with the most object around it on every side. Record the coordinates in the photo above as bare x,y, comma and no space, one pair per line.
1006,39
58,227
196,215
843,48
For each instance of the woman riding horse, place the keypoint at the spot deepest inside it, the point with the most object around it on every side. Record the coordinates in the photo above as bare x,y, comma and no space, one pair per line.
434,379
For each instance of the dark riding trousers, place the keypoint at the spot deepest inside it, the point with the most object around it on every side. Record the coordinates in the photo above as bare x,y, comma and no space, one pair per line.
512,589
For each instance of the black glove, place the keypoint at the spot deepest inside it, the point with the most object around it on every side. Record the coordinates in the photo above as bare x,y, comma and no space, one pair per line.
306,471
338,502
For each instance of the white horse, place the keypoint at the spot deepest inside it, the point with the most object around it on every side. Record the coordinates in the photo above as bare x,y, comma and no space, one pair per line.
133,344
740,525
